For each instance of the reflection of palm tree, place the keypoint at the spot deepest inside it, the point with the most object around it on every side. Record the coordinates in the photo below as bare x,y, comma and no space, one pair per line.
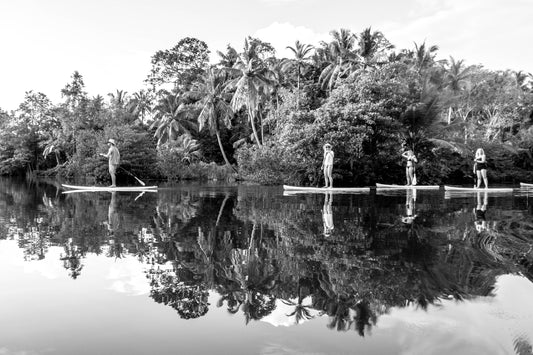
72,259
301,312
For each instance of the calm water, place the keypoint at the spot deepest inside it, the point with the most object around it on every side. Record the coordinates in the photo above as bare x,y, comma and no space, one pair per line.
246,270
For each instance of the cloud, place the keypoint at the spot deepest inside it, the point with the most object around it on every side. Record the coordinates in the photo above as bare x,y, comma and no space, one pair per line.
281,35
486,32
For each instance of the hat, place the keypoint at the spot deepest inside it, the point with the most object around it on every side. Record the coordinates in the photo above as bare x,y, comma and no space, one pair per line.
112,141
327,145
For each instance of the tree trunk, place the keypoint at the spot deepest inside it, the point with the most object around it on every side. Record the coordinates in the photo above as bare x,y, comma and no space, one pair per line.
223,152
252,122
298,89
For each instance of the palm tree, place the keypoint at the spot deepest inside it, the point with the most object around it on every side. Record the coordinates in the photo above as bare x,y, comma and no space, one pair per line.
141,104
172,117
424,56
252,82
372,47
213,103
301,55
340,56
228,59
119,98
456,77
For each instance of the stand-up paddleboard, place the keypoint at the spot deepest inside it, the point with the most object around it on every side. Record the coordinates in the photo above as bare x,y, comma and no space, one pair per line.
473,189
295,189
523,184
74,188
418,187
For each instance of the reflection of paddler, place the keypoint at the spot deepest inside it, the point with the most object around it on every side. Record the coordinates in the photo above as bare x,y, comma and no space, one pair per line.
327,214
480,210
410,200
112,215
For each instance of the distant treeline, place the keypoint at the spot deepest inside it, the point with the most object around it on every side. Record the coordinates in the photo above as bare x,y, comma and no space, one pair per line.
257,117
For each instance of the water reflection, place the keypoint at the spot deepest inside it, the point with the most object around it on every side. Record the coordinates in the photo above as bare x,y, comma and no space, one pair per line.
327,214
260,253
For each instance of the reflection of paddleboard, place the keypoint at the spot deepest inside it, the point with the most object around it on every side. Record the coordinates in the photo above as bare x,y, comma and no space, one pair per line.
74,188
418,187
523,184
473,189
288,188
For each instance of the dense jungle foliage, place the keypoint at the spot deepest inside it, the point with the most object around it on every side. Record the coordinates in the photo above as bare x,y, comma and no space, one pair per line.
257,117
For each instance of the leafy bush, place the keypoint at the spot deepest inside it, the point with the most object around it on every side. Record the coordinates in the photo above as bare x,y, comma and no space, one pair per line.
269,165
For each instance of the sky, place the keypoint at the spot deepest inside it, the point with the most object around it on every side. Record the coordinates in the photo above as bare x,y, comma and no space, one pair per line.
111,42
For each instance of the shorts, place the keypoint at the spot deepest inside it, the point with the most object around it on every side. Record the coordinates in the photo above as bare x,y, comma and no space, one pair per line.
481,166
112,168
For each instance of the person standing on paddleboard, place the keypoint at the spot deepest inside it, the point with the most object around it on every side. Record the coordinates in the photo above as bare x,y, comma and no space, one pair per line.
480,162
327,165
410,167
114,159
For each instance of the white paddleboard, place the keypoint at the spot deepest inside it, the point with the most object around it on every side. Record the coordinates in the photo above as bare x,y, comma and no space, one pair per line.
473,189
73,188
289,188
418,187
523,184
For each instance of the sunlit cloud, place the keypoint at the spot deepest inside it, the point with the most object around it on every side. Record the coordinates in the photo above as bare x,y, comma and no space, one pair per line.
281,35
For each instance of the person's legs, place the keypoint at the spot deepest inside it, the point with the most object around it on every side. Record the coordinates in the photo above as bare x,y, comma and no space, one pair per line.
112,172
325,176
485,181
478,174
329,169
409,175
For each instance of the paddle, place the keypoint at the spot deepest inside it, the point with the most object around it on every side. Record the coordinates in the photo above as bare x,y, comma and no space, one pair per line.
136,178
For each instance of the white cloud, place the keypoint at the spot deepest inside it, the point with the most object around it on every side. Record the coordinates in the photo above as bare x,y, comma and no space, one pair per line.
480,32
281,35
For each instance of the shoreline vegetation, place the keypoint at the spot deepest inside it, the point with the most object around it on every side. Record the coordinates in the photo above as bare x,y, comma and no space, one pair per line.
256,117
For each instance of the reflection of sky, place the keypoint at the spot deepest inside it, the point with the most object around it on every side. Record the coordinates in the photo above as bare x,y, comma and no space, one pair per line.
44,311
486,325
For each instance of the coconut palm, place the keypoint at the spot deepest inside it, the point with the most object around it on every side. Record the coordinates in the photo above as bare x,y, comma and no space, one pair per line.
172,117
215,110
340,56
373,47
301,56
228,59
456,76
141,104
424,56
251,83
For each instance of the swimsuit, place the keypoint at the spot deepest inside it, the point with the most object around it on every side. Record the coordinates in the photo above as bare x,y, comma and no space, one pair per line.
328,159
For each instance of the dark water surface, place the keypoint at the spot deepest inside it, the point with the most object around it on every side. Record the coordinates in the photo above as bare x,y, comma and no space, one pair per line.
208,269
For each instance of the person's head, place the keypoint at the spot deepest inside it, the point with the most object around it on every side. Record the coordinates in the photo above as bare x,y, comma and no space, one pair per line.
410,152
480,151
111,141
327,146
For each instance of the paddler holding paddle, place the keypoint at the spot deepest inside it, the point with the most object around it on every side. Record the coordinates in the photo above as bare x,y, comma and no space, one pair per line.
114,159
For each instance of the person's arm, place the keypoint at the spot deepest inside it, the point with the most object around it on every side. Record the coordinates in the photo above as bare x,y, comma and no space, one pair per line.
414,158
108,153
404,154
